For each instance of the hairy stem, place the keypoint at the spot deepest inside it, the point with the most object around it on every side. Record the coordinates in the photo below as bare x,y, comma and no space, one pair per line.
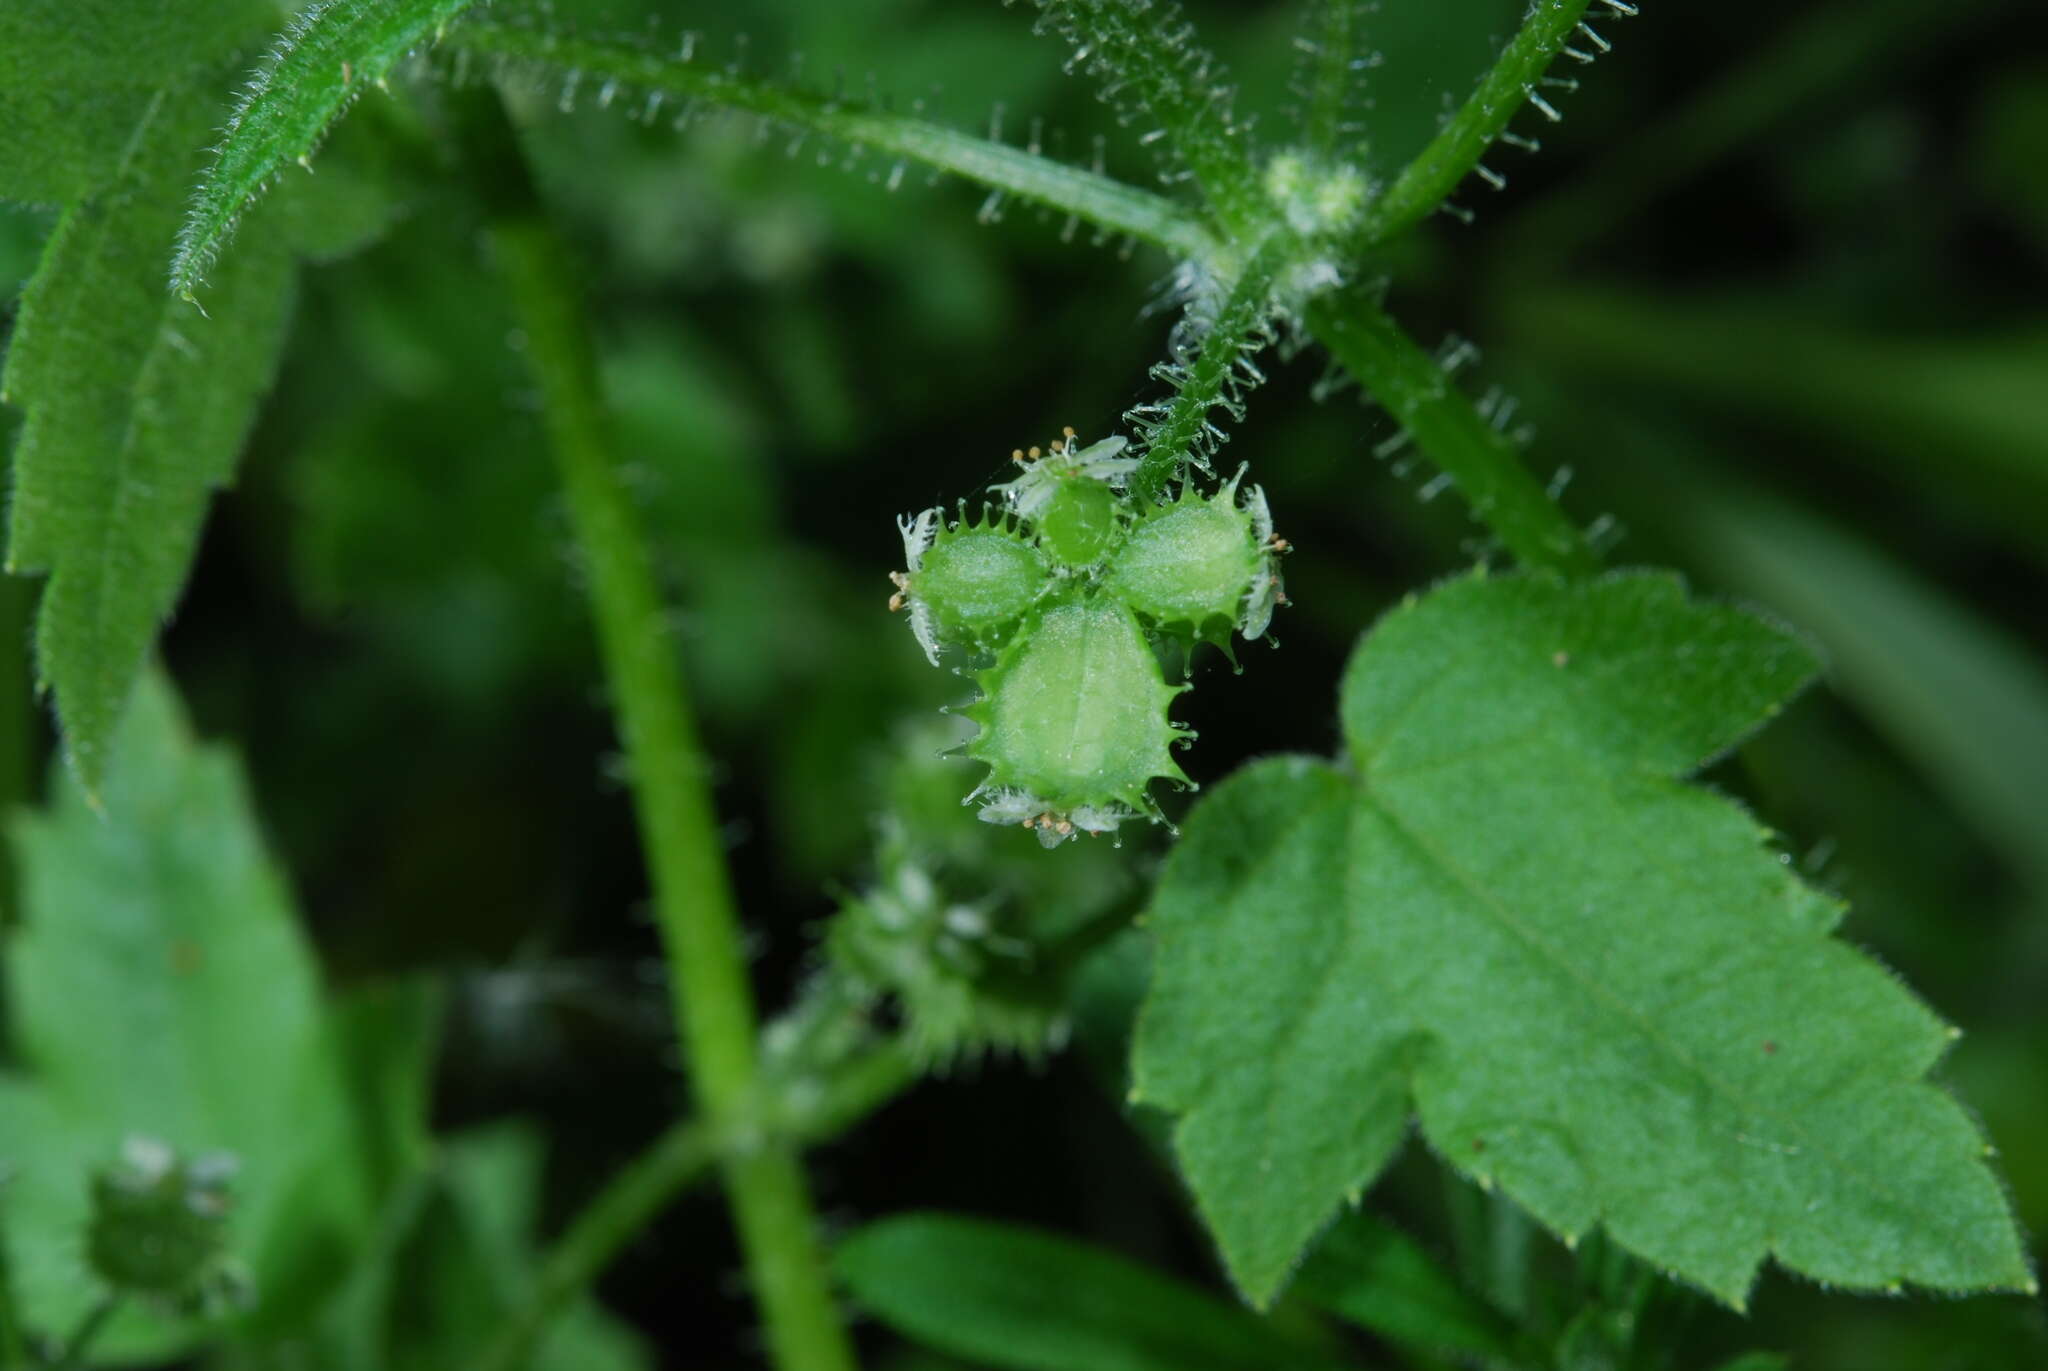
1479,459
693,899
1151,66
676,1161
1102,201
1333,50
1178,430
1434,174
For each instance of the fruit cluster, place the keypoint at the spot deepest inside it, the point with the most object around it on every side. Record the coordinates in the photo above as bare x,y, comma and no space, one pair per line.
1061,597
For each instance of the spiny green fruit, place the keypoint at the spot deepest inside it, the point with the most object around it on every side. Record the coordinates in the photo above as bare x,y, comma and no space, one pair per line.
1080,523
1201,566
1072,497
1074,724
159,1224
968,584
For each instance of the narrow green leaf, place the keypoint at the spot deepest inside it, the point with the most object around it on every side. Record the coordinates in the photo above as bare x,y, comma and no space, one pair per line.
1153,69
160,986
1599,987
1028,1300
136,406
331,54
76,75
1378,1277
1096,199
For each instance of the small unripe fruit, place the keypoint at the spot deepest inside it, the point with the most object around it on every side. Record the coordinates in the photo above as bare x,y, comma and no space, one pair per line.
1080,522
159,1224
978,582
1194,568
1074,720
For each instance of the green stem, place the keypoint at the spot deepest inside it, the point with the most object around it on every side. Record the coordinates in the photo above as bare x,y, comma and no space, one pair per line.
1436,171
693,898
80,1342
1480,460
1178,429
1151,68
1099,200
647,1185
1327,75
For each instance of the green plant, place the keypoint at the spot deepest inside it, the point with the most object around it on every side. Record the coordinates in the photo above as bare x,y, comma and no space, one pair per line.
1505,912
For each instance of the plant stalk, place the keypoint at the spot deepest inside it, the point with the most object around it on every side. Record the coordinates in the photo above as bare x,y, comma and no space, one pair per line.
648,1184
1110,205
1480,460
693,899
1450,157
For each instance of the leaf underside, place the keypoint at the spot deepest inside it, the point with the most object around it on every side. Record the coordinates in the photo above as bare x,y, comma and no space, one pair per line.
1591,984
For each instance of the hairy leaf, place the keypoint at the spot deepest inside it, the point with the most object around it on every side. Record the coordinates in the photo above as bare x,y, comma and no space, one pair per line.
136,407
161,987
76,75
1594,986
1029,1300
330,54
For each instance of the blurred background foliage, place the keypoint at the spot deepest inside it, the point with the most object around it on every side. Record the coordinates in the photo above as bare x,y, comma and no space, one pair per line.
1772,299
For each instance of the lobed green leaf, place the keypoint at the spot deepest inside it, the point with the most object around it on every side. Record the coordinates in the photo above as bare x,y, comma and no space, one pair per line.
1596,987
329,56
1032,1301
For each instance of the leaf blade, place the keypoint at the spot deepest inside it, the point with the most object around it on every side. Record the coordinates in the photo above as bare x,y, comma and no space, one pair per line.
1624,1008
